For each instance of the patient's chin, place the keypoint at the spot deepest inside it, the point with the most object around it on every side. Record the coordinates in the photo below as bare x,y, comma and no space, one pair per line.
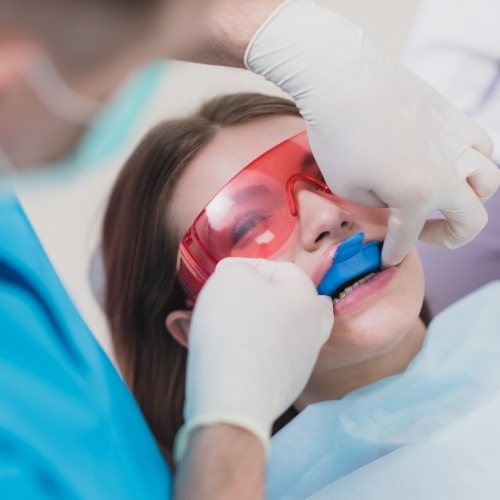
377,332
378,328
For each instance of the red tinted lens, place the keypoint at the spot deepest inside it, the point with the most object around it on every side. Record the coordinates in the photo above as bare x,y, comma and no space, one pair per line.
252,216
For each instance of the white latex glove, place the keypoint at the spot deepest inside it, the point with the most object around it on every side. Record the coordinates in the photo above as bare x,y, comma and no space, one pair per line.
255,334
381,135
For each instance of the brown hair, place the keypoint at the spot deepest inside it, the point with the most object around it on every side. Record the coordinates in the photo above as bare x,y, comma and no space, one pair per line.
140,256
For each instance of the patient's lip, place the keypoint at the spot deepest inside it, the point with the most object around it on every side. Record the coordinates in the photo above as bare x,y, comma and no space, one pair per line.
326,260
324,263
359,298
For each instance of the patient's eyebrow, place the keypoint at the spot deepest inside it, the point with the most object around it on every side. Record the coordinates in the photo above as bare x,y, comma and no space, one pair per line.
306,162
251,192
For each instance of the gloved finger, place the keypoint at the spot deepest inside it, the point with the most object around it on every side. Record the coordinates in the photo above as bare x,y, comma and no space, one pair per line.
367,198
273,271
481,140
482,174
230,262
244,269
327,317
326,300
286,273
403,229
266,268
465,218
358,195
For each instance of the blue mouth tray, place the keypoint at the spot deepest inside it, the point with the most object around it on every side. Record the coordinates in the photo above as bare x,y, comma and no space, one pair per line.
353,258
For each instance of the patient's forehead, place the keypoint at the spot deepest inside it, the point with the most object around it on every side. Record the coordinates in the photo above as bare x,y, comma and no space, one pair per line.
231,150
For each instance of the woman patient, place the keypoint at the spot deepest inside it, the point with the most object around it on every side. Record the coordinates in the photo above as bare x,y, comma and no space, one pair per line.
380,325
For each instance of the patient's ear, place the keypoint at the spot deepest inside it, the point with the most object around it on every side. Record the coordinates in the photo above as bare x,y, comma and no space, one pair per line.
177,324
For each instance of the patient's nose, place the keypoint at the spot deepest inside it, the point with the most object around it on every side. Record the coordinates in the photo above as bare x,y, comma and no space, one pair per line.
320,219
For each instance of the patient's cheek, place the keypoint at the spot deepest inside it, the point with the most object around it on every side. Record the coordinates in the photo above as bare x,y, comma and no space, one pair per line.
377,216
370,215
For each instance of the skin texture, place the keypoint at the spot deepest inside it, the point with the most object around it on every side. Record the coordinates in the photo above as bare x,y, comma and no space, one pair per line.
211,31
243,475
379,335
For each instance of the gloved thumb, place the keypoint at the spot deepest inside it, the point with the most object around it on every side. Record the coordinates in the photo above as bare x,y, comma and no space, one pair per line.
327,317
403,229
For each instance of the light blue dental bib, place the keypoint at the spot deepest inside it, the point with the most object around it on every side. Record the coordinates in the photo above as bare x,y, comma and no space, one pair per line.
456,373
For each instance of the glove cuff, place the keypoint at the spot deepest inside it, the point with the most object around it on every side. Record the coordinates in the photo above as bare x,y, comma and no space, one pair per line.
184,433
261,28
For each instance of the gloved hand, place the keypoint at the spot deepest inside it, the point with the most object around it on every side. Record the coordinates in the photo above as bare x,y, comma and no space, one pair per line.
381,135
255,334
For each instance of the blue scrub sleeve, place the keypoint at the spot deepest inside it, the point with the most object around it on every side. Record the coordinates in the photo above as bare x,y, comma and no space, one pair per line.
69,427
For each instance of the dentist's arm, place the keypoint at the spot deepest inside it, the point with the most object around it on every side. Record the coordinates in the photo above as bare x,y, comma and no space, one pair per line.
256,332
222,462
381,135
213,31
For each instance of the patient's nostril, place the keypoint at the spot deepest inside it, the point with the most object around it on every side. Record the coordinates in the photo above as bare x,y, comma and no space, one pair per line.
324,234
344,224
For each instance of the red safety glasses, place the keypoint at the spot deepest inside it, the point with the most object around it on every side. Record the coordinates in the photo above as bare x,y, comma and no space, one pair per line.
253,215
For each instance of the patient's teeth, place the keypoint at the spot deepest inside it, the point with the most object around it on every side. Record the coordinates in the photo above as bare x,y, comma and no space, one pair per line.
349,289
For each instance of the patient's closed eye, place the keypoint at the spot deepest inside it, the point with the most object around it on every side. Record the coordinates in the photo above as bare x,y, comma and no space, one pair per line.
246,225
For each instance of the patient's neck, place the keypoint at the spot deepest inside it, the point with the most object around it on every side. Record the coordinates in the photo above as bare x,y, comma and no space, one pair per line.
336,383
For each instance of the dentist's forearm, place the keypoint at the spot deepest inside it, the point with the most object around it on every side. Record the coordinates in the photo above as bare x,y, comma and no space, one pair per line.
216,33
233,23
221,462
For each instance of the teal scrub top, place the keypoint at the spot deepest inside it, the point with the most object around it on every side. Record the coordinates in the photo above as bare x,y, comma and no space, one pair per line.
69,427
